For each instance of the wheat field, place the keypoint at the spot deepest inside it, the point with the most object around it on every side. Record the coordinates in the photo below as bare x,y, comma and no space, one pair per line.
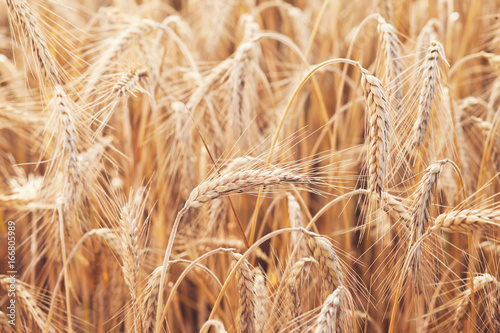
249,166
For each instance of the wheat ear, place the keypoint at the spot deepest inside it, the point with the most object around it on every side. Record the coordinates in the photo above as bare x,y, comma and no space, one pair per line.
239,181
261,299
129,81
329,262
378,149
294,292
28,302
464,221
150,300
247,297
332,318
392,54
421,214
25,20
481,283
428,90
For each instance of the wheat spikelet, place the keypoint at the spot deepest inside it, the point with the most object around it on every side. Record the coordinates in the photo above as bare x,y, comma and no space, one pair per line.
26,22
215,74
217,212
332,318
429,83
494,61
467,220
378,149
247,297
109,236
129,81
396,209
329,263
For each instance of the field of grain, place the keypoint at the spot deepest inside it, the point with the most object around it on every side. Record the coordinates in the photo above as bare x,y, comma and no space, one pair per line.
249,166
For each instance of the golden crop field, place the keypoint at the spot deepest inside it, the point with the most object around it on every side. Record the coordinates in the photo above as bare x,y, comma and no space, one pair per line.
249,166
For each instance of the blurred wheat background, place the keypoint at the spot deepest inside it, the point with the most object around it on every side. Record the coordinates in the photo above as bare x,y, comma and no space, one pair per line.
250,165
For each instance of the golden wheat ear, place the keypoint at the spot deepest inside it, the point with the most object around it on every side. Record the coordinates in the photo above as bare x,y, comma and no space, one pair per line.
378,131
247,297
25,21
334,315
430,82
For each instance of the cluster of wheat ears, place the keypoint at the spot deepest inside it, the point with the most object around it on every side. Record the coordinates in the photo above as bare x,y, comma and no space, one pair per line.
250,166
